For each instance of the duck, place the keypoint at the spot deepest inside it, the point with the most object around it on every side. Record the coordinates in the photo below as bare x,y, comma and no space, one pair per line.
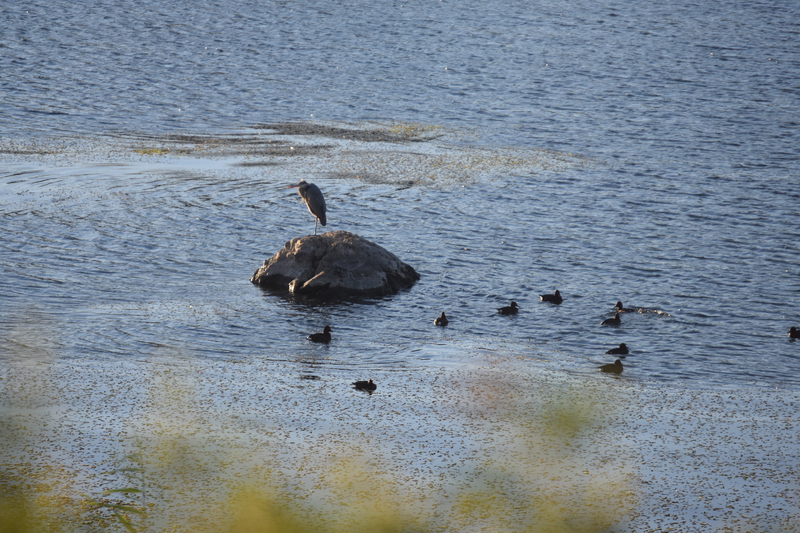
615,321
614,368
794,333
368,385
509,309
622,309
325,336
554,298
441,320
621,350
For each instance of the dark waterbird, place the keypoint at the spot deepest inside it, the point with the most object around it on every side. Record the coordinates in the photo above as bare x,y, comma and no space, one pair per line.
554,298
794,333
614,321
618,307
325,336
441,320
622,349
368,385
614,368
622,309
314,200
509,309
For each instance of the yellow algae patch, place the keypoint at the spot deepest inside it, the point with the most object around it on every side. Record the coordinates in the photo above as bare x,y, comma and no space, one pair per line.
207,446
152,151
443,166
203,453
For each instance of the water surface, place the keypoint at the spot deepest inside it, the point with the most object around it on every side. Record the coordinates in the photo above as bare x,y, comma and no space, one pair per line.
669,180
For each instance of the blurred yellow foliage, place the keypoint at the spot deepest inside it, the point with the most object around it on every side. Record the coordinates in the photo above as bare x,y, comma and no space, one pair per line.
190,476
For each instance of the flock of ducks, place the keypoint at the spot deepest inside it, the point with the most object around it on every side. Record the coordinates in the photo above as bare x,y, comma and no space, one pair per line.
556,298
512,309
615,367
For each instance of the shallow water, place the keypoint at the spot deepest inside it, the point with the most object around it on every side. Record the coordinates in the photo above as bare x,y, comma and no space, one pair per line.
678,193
134,258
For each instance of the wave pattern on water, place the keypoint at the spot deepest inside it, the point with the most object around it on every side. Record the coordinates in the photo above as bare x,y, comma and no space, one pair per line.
647,154
133,259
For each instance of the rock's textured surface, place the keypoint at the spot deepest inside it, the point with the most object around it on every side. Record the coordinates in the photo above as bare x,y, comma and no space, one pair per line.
335,264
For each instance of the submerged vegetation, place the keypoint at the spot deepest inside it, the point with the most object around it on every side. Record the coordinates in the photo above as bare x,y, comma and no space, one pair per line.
529,465
393,153
152,151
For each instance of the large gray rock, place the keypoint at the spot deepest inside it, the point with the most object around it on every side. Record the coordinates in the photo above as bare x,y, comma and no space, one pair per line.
335,264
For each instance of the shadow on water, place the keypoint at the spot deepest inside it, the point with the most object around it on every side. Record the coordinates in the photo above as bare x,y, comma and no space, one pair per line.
320,300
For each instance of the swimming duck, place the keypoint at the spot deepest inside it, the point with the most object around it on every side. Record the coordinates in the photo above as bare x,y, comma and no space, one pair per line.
441,320
621,350
794,333
554,298
614,368
615,321
622,309
509,309
368,385
325,336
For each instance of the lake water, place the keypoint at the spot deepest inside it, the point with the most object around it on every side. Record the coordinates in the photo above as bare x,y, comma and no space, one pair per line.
613,151
659,166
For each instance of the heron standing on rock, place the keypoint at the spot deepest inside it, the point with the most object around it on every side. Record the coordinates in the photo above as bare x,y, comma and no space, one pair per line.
314,200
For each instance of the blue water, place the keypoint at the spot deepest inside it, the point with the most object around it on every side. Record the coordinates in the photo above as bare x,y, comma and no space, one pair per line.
680,194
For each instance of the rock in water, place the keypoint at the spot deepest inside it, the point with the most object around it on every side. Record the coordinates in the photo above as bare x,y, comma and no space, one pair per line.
335,264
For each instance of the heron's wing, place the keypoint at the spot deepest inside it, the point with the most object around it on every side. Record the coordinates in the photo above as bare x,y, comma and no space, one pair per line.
314,200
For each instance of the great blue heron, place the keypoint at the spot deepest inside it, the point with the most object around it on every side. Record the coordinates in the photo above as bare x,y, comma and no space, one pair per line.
314,200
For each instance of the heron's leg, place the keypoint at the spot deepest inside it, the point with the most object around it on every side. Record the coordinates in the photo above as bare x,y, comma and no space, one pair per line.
315,225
